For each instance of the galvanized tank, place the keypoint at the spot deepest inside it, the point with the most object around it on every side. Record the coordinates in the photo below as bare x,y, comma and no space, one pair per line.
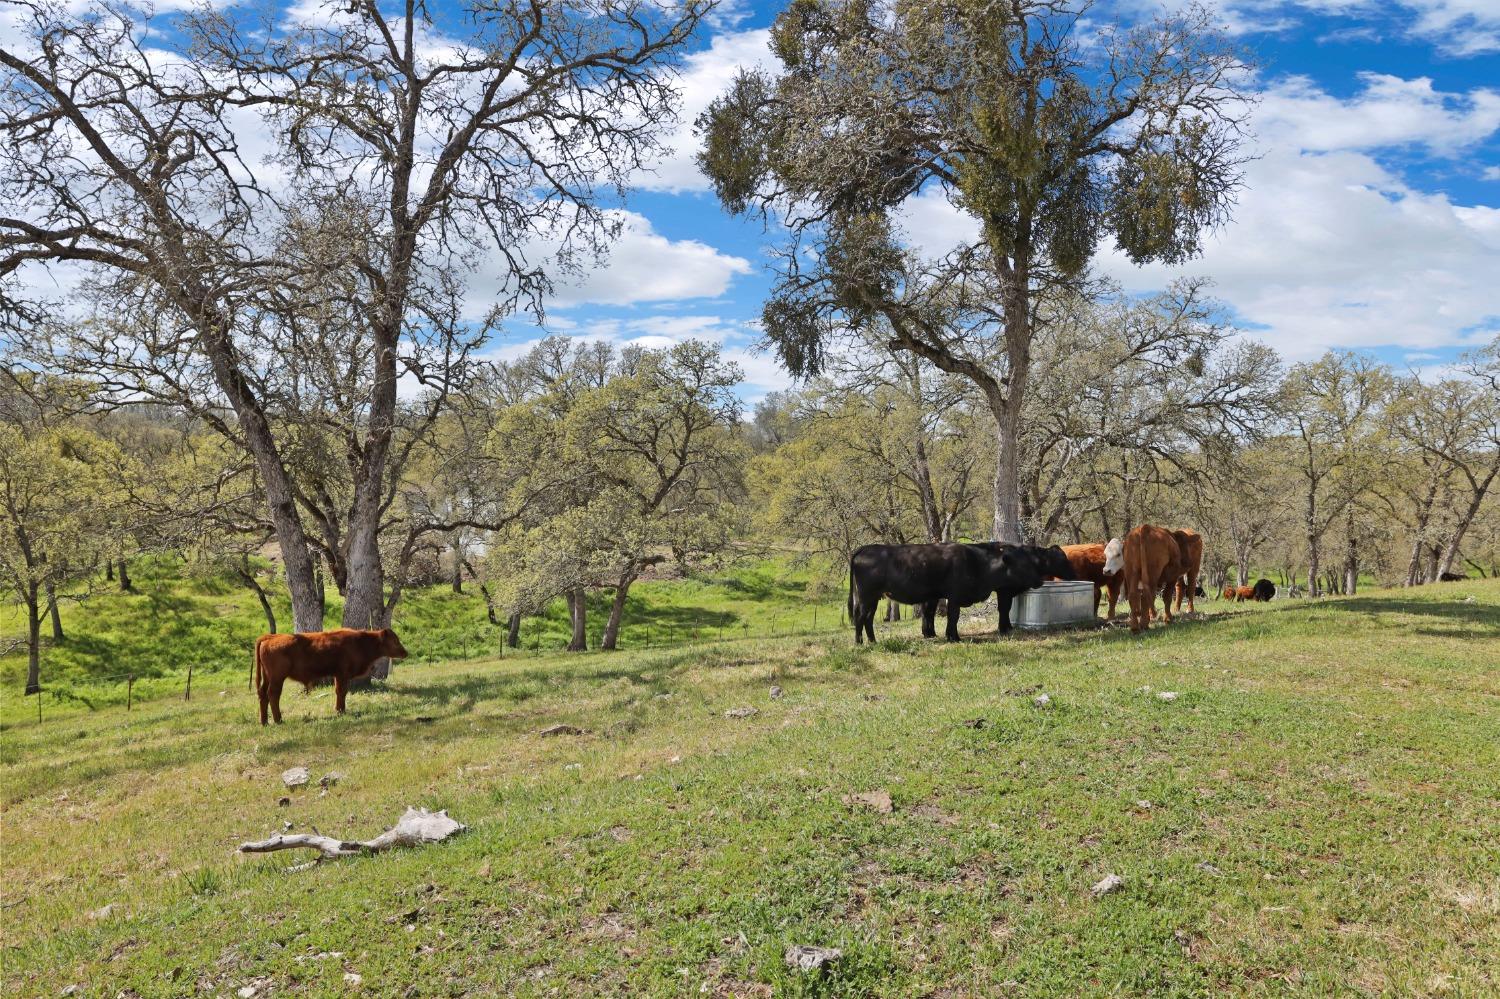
1054,603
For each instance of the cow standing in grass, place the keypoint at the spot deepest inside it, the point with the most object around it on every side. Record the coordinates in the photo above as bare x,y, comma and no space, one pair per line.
1190,545
315,657
1153,564
925,574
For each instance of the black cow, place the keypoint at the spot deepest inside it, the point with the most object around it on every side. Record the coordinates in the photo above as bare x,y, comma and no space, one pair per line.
961,574
1450,577
1263,590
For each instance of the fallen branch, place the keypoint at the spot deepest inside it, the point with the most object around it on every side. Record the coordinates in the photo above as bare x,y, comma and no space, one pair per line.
416,827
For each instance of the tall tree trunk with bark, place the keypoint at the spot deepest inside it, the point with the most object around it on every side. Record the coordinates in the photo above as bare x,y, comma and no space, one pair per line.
617,609
57,628
1351,554
578,615
1477,491
513,631
126,586
33,640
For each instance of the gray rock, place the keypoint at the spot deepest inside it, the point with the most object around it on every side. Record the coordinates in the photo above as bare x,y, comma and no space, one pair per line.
741,713
331,778
295,777
805,958
561,730
1111,883
775,692
1166,695
1041,700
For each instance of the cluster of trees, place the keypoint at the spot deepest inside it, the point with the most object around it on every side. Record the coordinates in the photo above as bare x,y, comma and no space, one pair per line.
1323,472
285,352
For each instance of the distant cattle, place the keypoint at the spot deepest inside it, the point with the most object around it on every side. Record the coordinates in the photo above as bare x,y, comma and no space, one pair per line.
1263,590
1102,565
1243,593
1450,577
960,574
1153,564
1228,593
315,657
1190,544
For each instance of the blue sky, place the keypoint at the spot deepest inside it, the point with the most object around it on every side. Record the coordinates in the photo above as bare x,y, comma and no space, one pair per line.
1371,219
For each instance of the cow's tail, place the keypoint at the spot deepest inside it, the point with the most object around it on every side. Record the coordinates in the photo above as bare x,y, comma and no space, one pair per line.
255,667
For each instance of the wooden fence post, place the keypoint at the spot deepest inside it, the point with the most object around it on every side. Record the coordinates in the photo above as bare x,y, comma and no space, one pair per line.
129,690
187,695
39,706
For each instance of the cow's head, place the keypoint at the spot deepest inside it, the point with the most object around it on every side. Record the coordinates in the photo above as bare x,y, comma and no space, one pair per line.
1057,565
391,645
1114,556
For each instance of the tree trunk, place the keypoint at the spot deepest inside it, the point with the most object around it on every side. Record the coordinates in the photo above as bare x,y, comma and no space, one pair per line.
513,631
1313,540
364,603
109,570
1424,517
616,611
57,628
1476,500
33,641
1351,559
578,614
1007,492
126,586
247,576
458,574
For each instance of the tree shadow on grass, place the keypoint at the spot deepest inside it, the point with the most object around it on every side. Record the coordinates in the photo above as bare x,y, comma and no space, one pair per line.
1462,620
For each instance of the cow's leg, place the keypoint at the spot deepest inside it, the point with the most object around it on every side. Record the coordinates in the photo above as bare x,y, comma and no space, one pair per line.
929,617
1098,589
276,698
1114,596
1192,588
1166,603
263,690
340,688
951,633
1003,600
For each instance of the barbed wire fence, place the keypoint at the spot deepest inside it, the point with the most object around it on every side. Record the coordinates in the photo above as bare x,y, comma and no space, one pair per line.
103,692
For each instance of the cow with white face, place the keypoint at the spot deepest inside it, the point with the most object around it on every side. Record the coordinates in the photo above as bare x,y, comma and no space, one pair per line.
1114,556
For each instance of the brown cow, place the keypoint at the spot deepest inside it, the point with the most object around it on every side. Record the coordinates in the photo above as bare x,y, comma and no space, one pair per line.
1190,543
1101,565
315,657
1153,564
1243,593
1228,593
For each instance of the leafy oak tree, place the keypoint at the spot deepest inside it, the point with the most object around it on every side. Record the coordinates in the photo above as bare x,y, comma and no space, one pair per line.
1050,134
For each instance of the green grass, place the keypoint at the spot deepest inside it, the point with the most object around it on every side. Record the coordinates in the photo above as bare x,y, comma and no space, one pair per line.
172,621
1324,808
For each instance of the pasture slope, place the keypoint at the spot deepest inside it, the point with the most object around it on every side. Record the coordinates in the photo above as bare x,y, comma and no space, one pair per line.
1316,813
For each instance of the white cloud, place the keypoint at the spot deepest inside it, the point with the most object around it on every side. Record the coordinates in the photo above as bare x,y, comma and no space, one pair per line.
645,266
1388,112
1329,247
706,74
1490,173
642,266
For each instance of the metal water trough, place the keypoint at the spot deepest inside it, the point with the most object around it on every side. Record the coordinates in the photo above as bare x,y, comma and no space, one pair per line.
1054,603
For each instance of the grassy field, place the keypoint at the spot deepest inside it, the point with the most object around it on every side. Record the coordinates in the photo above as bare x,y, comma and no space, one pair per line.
1315,813
172,620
